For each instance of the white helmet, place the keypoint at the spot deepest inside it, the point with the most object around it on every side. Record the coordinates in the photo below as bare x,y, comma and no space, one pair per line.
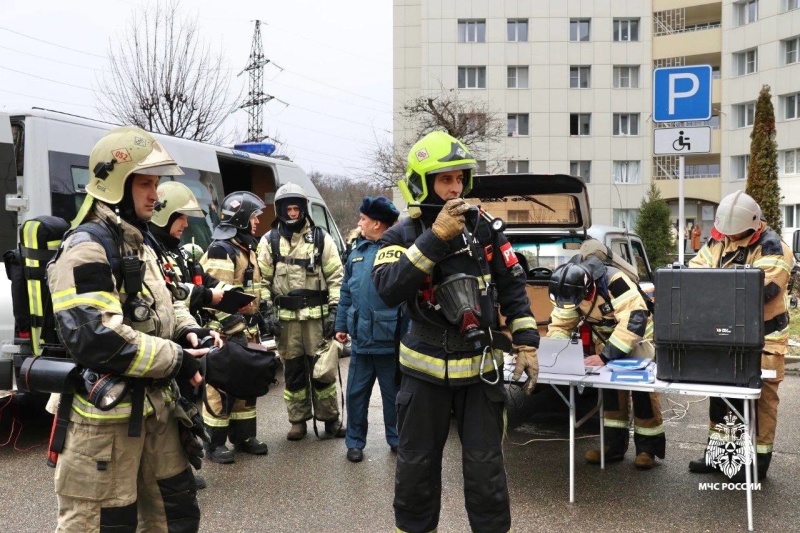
291,194
737,213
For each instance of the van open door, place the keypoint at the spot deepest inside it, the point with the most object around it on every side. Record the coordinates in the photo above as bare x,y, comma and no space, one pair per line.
8,240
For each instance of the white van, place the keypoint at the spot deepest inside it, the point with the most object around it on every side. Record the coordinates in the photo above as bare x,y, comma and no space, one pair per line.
44,168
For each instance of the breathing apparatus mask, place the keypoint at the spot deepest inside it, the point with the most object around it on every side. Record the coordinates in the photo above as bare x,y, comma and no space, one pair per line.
459,298
63,376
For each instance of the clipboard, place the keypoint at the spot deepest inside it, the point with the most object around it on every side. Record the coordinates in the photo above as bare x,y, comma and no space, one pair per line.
232,301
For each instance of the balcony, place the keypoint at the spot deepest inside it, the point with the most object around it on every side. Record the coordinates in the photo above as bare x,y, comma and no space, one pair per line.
693,40
664,5
698,187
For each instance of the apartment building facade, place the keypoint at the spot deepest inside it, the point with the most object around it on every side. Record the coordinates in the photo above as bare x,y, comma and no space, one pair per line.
573,79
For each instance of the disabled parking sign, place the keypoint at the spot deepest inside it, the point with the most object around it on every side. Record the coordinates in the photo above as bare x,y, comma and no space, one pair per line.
682,93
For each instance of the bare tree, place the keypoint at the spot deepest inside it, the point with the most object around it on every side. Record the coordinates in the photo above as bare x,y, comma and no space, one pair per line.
343,196
164,78
475,123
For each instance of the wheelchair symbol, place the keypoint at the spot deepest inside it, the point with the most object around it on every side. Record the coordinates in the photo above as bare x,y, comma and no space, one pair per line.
681,142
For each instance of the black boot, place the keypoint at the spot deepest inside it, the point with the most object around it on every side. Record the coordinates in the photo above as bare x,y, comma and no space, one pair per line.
699,466
763,460
216,451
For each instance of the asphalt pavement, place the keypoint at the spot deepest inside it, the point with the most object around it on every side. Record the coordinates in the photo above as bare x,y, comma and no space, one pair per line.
310,485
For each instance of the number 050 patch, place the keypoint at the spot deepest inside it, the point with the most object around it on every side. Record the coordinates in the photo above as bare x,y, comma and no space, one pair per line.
390,254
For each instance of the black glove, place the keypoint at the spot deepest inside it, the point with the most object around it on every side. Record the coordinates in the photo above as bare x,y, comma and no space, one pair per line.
271,325
192,431
328,327
201,334
189,365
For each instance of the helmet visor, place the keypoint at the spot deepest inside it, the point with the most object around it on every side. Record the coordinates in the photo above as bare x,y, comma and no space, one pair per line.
158,163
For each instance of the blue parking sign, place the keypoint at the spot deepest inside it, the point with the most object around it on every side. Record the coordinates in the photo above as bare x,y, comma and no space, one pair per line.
682,93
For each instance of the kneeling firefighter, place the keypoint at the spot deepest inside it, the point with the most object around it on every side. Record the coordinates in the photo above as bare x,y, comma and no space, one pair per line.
303,272
122,464
231,259
451,269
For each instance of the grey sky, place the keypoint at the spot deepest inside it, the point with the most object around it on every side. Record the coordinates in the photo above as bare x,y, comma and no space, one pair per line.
336,56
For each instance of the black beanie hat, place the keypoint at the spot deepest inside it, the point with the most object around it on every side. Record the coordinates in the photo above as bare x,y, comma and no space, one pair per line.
380,208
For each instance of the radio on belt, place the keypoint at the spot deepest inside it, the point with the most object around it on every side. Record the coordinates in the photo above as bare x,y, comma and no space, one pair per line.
709,325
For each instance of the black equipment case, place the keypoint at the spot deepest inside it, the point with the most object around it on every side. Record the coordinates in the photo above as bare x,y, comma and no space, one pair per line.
709,325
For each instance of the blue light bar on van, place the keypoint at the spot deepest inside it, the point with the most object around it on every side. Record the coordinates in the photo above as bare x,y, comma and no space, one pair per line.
256,148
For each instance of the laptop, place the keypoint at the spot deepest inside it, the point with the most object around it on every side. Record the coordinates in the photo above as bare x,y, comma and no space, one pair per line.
562,356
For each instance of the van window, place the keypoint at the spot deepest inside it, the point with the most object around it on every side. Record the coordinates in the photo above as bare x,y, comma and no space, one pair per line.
322,218
621,247
8,221
69,175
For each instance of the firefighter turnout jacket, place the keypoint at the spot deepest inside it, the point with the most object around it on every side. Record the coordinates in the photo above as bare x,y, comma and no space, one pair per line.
617,314
239,271
299,288
765,250
88,306
410,264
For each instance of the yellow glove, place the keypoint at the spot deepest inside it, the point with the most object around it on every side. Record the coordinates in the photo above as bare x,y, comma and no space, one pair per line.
450,220
528,361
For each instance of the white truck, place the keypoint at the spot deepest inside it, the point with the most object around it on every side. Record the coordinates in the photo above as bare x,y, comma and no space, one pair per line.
44,160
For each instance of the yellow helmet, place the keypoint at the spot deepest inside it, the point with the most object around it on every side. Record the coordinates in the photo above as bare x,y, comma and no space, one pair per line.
193,251
175,197
120,153
436,152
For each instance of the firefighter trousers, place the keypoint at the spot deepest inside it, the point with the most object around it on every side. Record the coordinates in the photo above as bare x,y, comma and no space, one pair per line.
648,431
108,481
423,411
232,418
298,341
766,405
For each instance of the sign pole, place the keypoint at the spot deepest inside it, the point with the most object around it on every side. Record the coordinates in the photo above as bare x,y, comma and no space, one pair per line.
682,230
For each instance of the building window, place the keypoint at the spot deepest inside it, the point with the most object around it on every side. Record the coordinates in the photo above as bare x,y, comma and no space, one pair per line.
480,166
791,160
745,62
792,4
788,216
790,51
579,30
471,77
473,122
517,30
626,30
472,31
740,164
624,218
580,123
790,106
579,77
746,12
626,172
517,77
744,114
626,123
517,124
582,169
626,77
518,166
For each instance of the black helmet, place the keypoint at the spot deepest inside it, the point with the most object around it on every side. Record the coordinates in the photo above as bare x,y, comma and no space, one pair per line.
235,213
570,284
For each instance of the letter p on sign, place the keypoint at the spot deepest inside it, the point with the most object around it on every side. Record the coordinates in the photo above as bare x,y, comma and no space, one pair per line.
682,93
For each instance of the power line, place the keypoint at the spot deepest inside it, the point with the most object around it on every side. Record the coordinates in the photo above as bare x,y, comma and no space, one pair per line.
339,118
53,60
337,88
47,79
52,44
37,98
330,97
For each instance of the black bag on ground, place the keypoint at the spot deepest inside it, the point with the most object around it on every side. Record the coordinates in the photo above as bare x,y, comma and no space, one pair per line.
238,371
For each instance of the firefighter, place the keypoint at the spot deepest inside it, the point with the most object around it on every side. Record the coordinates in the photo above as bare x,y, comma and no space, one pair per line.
176,203
610,302
124,466
231,259
451,364
740,237
302,274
